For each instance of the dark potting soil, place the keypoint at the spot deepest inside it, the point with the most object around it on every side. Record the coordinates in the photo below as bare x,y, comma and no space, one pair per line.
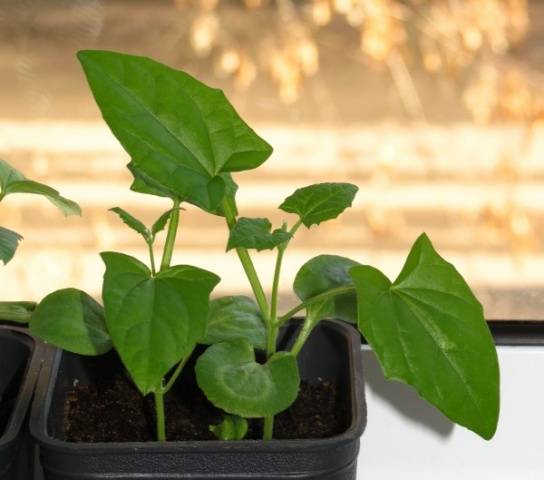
112,410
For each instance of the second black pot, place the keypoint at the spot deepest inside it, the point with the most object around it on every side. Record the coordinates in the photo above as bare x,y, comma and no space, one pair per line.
332,353
20,359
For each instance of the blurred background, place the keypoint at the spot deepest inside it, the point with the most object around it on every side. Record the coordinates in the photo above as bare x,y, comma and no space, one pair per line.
435,109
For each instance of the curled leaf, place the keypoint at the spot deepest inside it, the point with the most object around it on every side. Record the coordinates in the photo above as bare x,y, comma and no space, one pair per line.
324,273
232,427
9,241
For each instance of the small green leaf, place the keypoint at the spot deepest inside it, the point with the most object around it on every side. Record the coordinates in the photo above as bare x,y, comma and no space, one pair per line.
232,380
132,222
9,241
232,427
236,317
8,174
256,233
16,311
427,329
181,134
154,322
72,320
321,274
13,181
320,202
161,222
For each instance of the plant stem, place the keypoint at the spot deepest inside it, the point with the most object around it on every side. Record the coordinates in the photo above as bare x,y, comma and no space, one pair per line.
249,268
268,428
322,296
171,236
176,374
151,258
303,335
273,327
159,409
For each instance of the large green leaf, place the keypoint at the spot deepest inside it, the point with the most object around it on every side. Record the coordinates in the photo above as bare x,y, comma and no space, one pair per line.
321,274
428,330
232,380
256,233
154,322
72,320
9,241
181,134
320,202
13,181
235,317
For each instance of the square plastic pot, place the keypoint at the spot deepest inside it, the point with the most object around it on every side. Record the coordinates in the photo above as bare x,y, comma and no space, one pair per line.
20,360
333,353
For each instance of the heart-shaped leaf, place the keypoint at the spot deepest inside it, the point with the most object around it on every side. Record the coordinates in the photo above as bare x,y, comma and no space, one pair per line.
72,320
235,317
232,380
320,202
256,233
321,274
232,427
154,322
180,133
13,181
9,241
428,330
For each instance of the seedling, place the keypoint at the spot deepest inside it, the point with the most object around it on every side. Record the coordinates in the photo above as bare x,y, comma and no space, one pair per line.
153,319
185,140
12,181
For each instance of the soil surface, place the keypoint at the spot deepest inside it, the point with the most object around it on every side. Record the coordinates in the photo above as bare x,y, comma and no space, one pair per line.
112,410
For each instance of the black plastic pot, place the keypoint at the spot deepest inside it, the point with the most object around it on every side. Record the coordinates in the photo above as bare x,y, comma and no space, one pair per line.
332,353
20,360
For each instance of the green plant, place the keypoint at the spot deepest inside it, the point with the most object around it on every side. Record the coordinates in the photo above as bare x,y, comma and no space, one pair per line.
152,318
12,181
185,140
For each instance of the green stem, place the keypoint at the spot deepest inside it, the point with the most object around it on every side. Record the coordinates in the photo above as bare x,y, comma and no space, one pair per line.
159,410
273,326
303,335
151,258
322,296
2,195
248,266
268,428
177,372
171,236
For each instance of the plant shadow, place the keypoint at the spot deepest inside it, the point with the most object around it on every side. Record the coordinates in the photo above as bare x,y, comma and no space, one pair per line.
404,399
